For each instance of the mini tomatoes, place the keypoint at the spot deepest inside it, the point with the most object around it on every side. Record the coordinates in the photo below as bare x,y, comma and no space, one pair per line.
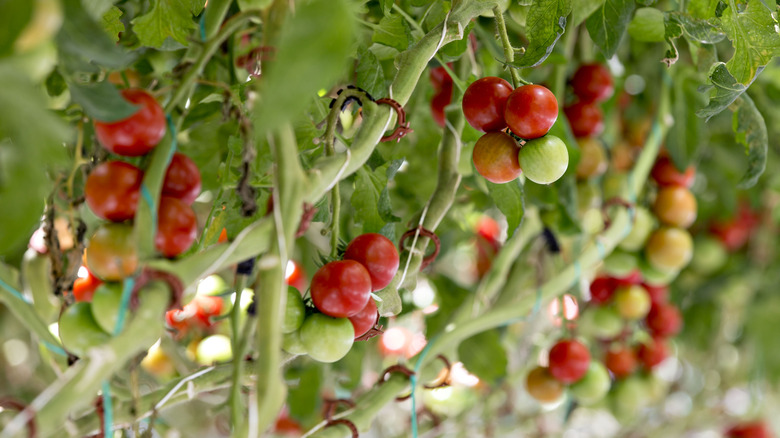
135,135
341,289
112,190
530,111
484,102
182,179
378,255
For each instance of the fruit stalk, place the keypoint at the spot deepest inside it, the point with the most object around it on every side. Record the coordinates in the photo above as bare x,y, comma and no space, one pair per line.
509,51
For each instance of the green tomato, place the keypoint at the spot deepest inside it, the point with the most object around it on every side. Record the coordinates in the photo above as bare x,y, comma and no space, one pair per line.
213,349
709,255
647,25
105,305
212,285
655,277
632,302
620,264
593,387
327,339
79,331
294,312
588,197
291,343
644,222
600,322
449,401
629,396
544,160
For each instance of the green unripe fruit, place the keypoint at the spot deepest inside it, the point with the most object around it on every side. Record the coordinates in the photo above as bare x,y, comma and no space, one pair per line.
291,343
620,264
294,311
601,322
593,387
644,222
544,160
629,396
632,302
214,349
709,255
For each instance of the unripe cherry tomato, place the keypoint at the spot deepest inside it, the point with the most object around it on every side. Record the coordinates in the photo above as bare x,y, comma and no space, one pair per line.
632,302
593,159
602,289
135,135
569,361
585,119
84,288
112,190
495,157
177,227
621,362
592,83
326,339
378,255
664,320
365,319
182,179
652,353
341,289
531,110
542,386
675,206
111,252
665,174
669,249
484,102
544,160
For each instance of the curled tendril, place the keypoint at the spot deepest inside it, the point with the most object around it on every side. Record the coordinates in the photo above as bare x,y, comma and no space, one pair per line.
427,260
402,127
394,369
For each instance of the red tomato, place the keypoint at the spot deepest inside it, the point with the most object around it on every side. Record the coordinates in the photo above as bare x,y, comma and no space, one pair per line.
664,320
365,319
652,353
137,134
602,289
179,319
755,429
440,79
665,173
635,277
592,83
486,252
440,100
531,110
84,288
585,119
296,278
496,157
112,253
177,227
658,294
223,237
488,228
341,289
205,307
182,179
378,255
484,101
569,361
112,190
621,362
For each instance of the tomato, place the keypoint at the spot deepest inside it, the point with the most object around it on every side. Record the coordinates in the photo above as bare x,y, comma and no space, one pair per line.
177,227
709,255
112,190
365,319
118,78
675,206
601,322
326,339
378,255
544,160
755,429
204,308
602,289
654,276
84,288
111,252
180,320
585,119
542,386
664,320
569,361
287,426
630,279
105,306
665,174
621,265
182,179
623,155
658,294
652,353
669,249
632,302
644,222
291,343
593,159
135,135
531,110
223,237
484,102
79,331
495,157
212,285
593,387
629,396
440,79
294,312
213,349
341,288
295,277
592,83
488,228
158,363
621,362
486,252
439,102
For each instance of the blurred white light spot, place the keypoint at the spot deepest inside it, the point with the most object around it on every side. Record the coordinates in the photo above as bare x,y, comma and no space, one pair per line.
403,166
289,270
634,84
83,272
424,295
54,328
418,342
459,374
15,352
187,103
441,394
570,309
395,339
736,402
430,309
678,404
669,370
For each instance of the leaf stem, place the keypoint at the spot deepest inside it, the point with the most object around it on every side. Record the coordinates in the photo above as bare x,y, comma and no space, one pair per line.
509,51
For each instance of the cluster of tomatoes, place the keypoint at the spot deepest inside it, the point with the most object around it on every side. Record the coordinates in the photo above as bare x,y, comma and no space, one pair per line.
341,295
591,84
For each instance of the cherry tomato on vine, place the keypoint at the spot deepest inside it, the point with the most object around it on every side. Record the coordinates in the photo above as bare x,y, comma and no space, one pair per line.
592,83
585,119
665,174
378,255
79,331
658,294
341,289
530,111
593,159
569,361
294,312
621,362
634,277
495,157
112,190
204,308
542,386
177,227
652,353
111,252
135,135
544,160
438,103
632,302
602,289
664,320
182,179
84,288
675,206
327,339
179,320
105,305
755,429
669,249
593,387
440,79
365,319
484,102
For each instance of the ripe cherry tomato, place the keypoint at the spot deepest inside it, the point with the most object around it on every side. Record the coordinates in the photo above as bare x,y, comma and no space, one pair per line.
111,252
585,119
531,110
180,320
112,190
365,319
675,206
592,83
652,353
206,307
341,288
182,179
84,288
484,102
496,157
755,429
486,252
621,362
602,289
664,320
488,228
569,361
137,134
438,103
177,227
326,339
665,173
378,255
440,79
542,386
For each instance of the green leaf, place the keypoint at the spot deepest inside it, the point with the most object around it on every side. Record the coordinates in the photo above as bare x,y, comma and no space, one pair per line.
727,90
753,32
684,137
484,356
371,198
582,9
750,130
393,31
509,199
167,18
607,25
370,75
304,397
16,15
83,43
545,24
55,84
112,24
101,101
456,49
387,6
703,9
97,8
699,31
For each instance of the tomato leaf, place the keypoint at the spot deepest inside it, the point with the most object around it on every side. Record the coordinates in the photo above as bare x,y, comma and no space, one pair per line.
704,9
582,9
303,395
697,30
370,75
545,24
101,101
684,138
484,356
167,18
509,199
393,31
83,43
750,130
112,23
371,198
608,24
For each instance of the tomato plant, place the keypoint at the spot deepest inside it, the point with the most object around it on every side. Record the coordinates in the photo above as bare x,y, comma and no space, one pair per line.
182,179
569,361
177,227
652,353
531,111
84,287
675,206
325,338
665,173
495,157
664,320
112,190
294,312
135,135
632,302
544,160
377,254
341,289
542,386
592,83
111,252
484,102
585,119
364,320
621,361
593,386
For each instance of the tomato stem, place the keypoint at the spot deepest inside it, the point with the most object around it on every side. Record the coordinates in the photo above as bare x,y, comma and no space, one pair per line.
509,51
